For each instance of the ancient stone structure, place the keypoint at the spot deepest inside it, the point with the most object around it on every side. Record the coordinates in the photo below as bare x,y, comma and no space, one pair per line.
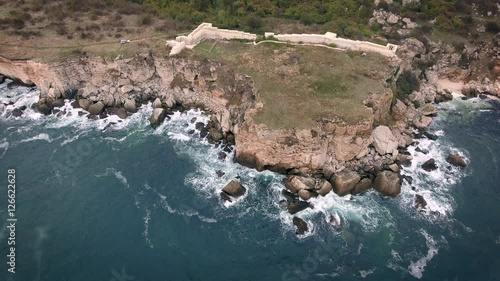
203,32
206,31
330,38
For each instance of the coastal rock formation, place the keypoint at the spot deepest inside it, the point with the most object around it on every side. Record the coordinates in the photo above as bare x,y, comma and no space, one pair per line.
420,202
157,117
301,225
344,181
96,108
293,204
384,141
387,183
232,190
456,160
362,186
324,188
429,165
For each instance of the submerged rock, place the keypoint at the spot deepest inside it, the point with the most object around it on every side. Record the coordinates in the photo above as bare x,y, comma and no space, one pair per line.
234,189
43,108
335,221
420,202
429,165
17,112
387,183
301,225
456,160
222,155
294,204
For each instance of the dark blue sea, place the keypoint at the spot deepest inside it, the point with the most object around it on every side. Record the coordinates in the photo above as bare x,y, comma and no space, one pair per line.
112,200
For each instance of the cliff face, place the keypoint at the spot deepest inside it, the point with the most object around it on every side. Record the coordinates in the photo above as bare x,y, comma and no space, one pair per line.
230,97
330,147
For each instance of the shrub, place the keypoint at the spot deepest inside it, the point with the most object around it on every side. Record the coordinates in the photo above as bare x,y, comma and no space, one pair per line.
407,83
145,20
492,27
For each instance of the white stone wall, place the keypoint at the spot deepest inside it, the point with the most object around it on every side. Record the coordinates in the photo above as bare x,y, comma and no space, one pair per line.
203,32
331,38
206,31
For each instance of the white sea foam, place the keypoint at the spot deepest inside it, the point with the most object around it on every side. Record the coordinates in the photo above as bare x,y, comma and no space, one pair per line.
365,273
4,144
42,136
118,175
417,268
147,219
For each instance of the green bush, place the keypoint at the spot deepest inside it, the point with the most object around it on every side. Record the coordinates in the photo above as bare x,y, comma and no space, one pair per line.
407,83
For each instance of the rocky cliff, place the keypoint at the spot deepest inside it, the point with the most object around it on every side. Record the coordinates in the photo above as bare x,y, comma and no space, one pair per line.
333,155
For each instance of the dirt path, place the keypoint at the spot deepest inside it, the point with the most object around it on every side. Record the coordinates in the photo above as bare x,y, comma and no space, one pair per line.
83,45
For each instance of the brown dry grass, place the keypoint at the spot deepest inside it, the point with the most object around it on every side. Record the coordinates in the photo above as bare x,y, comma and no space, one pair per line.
52,31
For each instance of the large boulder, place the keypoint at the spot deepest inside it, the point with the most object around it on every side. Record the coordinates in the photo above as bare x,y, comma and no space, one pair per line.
233,189
300,224
344,181
398,110
294,205
96,108
84,104
157,117
383,140
130,106
422,122
428,109
362,186
296,183
157,103
214,135
325,188
305,194
456,160
387,183
43,108
122,113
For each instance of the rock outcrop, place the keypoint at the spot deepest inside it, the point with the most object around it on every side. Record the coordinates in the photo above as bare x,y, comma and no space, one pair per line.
157,117
387,183
384,141
232,190
344,181
456,160
301,225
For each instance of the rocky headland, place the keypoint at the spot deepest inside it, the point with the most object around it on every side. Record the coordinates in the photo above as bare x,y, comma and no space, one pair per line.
333,156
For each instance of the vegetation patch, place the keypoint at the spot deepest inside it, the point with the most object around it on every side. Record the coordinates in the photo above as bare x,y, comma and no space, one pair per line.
300,85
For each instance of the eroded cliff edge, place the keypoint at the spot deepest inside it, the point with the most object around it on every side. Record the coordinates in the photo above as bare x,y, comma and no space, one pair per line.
348,158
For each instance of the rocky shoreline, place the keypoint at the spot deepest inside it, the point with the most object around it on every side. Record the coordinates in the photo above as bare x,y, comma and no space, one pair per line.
334,156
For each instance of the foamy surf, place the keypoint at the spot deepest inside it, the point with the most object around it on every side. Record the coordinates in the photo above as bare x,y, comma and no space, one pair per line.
417,268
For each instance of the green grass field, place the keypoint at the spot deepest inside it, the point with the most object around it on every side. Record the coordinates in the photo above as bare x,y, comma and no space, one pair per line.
298,85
